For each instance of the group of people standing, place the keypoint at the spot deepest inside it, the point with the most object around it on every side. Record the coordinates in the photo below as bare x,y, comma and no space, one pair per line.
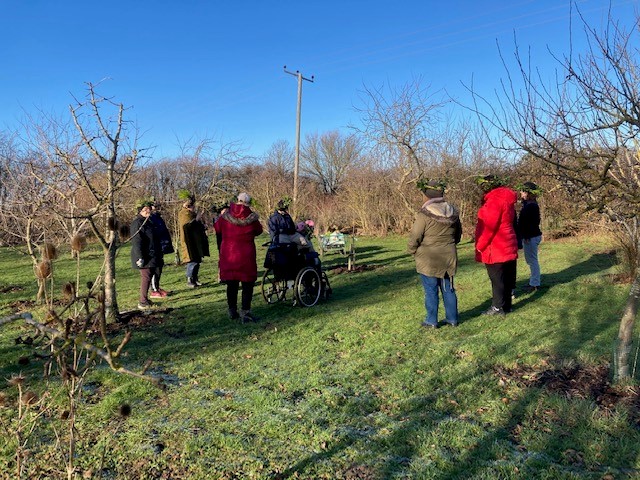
500,232
236,228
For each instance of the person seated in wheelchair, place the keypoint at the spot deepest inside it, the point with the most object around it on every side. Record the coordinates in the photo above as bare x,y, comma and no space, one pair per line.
282,229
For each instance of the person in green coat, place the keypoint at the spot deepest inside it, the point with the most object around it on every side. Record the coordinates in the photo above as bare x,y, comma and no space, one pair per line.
194,244
433,239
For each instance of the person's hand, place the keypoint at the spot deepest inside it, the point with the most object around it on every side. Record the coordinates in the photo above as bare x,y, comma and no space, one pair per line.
140,262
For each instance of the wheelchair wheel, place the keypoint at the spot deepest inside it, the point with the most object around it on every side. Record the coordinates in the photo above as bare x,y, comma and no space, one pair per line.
308,287
273,290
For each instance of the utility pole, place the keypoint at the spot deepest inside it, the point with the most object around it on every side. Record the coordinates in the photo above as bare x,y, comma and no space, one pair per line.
296,162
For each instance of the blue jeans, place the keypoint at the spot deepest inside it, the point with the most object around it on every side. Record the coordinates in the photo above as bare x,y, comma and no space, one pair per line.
192,270
431,299
530,247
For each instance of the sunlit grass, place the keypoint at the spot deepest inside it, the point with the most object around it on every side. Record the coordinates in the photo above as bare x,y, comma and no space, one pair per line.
353,387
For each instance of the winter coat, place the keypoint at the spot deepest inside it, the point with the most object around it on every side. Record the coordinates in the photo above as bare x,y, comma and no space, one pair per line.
238,227
163,233
145,244
280,223
496,240
529,220
433,238
194,243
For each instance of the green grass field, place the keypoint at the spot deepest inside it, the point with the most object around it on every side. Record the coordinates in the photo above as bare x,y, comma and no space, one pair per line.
352,388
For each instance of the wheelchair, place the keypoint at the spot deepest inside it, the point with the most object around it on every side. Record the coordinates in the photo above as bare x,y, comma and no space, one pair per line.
295,272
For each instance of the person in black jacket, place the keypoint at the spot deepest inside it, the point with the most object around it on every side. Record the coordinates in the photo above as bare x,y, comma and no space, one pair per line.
283,230
529,232
146,251
166,245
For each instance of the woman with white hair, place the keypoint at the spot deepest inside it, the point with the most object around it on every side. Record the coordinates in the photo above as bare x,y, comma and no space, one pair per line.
237,229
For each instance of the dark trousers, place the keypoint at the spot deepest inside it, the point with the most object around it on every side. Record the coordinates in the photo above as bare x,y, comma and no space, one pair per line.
232,294
155,279
145,283
503,281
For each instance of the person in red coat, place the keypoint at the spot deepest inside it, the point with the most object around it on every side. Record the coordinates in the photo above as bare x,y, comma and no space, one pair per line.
496,240
237,228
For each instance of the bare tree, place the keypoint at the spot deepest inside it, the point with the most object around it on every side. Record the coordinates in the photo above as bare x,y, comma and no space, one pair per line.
93,157
204,167
401,123
585,126
327,158
273,179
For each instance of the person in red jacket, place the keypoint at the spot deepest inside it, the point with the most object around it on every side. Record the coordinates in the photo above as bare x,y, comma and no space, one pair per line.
496,240
237,228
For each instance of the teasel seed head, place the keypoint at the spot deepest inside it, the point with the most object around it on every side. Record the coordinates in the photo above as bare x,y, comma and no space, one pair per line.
78,242
69,290
16,380
124,232
43,270
29,398
48,251
125,410
112,223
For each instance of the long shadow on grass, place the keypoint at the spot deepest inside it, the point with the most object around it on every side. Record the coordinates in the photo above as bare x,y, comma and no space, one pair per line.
598,262
560,446
190,328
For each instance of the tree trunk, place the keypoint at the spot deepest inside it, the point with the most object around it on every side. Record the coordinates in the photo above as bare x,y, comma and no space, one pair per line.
623,349
110,297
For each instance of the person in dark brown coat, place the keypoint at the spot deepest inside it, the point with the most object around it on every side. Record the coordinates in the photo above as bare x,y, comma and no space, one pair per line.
433,239
194,244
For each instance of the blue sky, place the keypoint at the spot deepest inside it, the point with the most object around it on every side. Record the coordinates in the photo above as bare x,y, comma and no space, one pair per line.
195,69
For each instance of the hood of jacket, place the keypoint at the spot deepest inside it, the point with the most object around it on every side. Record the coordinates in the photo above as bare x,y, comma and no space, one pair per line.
239,214
501,195
440,211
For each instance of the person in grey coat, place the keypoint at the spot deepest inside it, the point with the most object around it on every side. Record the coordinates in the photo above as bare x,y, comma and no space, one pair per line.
433,239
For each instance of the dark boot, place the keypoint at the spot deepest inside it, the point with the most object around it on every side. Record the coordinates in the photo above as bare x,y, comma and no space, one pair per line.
246,316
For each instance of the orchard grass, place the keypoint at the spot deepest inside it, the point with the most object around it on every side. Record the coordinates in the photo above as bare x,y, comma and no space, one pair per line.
351,388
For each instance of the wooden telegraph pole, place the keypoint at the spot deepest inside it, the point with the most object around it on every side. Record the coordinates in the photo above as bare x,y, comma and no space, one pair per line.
296,163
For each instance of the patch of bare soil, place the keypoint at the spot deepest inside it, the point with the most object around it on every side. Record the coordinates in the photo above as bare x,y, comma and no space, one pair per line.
359,472
137,319
583,381
338,269
10,288
619,278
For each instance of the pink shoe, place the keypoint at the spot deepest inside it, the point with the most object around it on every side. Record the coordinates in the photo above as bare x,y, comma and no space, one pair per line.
156,295
162,292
